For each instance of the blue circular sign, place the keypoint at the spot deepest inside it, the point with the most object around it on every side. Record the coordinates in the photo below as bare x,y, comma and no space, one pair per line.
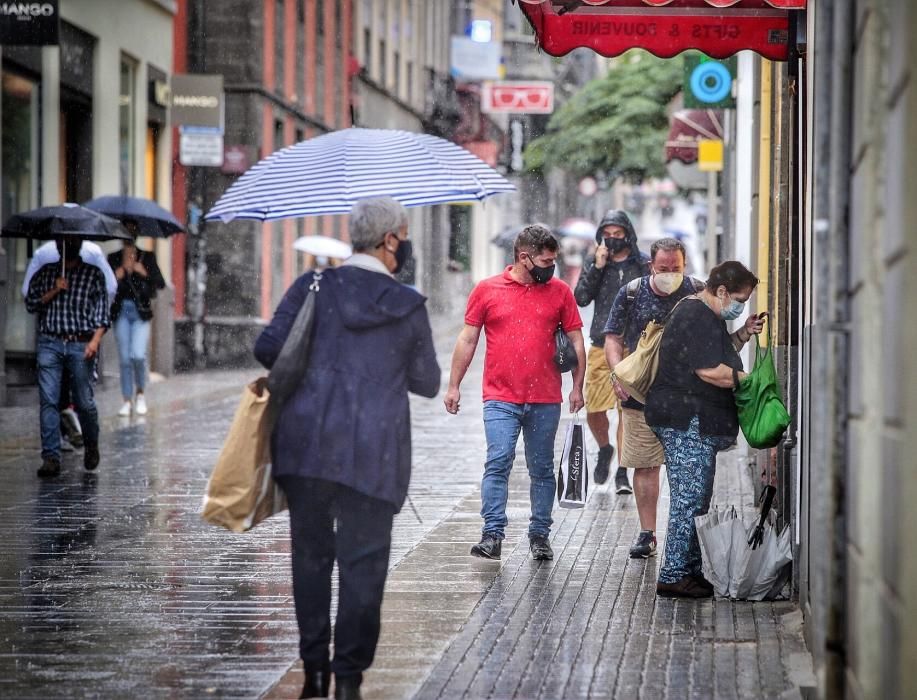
711,82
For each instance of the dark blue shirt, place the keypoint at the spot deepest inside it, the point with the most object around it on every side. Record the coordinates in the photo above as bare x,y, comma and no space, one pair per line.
628,317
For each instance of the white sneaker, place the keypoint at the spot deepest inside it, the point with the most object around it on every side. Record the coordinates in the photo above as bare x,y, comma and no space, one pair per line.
125,409
141,405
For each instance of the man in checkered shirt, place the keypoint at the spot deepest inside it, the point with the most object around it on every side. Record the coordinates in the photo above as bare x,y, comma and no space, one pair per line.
73,315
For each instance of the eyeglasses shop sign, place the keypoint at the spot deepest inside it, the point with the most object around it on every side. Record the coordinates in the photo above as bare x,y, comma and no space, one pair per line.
30,23
197,100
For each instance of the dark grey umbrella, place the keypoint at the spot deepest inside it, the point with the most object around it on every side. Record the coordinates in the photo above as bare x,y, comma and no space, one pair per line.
64,221
507,237
152,219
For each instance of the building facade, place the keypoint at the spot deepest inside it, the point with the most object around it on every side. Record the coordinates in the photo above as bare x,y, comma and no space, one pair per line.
401,48
287,70
824,195
82,119
858,563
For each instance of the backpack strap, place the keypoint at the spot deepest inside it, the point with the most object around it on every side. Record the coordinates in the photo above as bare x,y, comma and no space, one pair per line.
632,288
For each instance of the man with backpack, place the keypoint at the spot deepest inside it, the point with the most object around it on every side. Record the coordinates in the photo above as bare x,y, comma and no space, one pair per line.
616,261
648,298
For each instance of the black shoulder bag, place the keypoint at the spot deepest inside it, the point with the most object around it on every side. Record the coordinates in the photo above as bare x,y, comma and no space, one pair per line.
564,352
290,365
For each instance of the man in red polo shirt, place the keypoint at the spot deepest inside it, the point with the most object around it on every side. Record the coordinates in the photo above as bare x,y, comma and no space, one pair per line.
519,311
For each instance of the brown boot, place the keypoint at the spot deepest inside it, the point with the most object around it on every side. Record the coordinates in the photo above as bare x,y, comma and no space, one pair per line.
687,587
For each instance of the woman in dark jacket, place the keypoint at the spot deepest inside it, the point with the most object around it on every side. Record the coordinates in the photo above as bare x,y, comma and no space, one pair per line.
341,447
139,279
692,410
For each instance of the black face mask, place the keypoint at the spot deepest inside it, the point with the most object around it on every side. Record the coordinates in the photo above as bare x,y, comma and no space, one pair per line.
616,245
402,255
541,275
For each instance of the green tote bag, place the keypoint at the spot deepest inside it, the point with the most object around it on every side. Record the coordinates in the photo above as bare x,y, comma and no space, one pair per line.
762,415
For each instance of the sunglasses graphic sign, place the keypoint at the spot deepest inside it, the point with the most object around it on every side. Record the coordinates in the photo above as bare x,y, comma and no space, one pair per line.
518,97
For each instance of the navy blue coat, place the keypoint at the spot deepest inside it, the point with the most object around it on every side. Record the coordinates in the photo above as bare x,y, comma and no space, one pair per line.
349,420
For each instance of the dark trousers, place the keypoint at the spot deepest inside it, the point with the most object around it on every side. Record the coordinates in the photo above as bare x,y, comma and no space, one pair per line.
58,358
329,521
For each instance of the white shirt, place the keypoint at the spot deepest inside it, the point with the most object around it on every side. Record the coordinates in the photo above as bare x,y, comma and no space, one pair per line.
89,252
367,262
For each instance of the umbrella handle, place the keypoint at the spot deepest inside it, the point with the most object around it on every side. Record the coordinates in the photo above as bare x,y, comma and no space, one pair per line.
757,536
767,496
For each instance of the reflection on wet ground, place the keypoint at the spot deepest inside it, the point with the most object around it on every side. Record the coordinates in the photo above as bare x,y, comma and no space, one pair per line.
112,586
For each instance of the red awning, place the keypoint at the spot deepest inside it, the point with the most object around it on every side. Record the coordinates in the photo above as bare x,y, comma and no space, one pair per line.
665,28
688,126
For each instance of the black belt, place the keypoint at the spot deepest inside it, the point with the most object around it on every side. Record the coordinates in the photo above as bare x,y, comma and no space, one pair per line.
72,337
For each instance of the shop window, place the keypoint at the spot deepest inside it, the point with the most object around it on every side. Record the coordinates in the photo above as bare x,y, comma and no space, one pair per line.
151,171
279,36
18,192
410,81
127,106
319,86
459,237
75,162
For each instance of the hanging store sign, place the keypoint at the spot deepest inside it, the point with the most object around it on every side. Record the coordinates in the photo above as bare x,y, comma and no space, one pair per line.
474,60
30,23
200,146
719,28
197,100
709,83
710,155
518,97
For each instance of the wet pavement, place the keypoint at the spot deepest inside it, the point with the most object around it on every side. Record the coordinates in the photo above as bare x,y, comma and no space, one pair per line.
111,586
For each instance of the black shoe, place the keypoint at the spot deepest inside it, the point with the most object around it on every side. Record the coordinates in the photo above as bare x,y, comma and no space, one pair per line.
540,548
622,485
702,582
317,683
49,468
687,587
644,546
90,457
347,687
489,547
602,464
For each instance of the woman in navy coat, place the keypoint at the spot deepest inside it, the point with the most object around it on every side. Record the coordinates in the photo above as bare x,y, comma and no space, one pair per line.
341,447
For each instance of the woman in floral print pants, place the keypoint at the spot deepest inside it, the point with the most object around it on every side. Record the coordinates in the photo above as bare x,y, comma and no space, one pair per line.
692,411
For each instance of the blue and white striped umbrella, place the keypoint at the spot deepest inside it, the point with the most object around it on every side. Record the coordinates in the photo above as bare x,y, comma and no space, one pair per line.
328,173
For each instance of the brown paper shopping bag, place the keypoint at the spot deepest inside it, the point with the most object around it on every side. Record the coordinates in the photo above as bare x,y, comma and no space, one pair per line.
240,492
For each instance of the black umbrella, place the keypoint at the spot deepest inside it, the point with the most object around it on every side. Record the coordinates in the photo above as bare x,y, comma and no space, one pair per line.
64,221
152,219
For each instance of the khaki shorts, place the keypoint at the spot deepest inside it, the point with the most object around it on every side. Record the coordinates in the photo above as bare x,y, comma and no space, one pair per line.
640,448
599,394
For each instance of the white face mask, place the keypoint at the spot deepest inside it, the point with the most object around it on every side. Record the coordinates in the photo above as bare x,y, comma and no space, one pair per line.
668,282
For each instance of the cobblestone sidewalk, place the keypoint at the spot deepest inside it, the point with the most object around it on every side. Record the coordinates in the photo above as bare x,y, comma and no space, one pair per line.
111,586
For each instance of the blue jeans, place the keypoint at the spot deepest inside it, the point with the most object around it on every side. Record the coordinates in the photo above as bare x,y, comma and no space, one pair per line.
690,459
55,357
502,423
133,334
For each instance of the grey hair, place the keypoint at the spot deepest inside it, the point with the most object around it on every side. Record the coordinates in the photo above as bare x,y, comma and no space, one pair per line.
667,244
371,219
